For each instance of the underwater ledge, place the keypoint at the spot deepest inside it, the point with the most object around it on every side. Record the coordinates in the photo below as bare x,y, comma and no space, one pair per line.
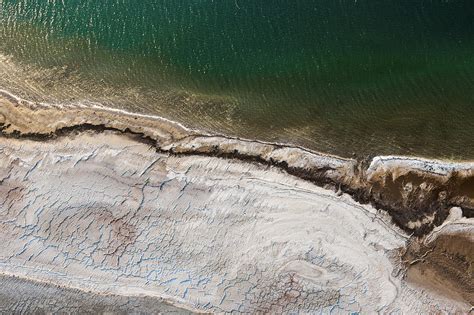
123,175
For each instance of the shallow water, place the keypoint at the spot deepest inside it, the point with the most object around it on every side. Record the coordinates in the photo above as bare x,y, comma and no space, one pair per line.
360,76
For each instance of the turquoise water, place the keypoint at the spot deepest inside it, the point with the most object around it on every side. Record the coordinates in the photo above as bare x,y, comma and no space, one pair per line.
360,76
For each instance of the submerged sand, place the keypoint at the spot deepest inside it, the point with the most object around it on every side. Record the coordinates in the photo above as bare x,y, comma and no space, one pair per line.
114,203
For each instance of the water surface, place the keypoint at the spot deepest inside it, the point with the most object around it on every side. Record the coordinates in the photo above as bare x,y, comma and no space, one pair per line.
359,76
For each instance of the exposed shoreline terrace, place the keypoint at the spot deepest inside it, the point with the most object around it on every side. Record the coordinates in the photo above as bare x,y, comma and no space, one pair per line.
164,172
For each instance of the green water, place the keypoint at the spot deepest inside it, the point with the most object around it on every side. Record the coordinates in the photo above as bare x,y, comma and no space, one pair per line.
359,76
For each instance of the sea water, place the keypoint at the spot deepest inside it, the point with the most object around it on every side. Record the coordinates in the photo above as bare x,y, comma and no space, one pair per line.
347,77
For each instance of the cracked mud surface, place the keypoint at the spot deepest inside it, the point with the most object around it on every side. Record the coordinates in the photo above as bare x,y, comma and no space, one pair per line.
105,213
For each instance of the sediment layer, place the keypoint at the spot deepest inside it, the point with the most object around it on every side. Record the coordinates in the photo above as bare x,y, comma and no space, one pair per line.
22,296
417,193
108,214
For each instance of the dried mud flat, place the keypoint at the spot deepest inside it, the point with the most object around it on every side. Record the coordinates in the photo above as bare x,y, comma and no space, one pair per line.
135,209
31,297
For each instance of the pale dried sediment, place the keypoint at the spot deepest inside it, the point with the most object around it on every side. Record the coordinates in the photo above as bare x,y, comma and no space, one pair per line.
25,117
331,168
21,296
399,166
105,213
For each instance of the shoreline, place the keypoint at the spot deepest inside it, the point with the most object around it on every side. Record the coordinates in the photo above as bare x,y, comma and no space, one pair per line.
107,212
4,94
417,192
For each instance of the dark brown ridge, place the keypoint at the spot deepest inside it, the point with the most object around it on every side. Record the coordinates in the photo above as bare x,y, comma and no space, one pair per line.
435,199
